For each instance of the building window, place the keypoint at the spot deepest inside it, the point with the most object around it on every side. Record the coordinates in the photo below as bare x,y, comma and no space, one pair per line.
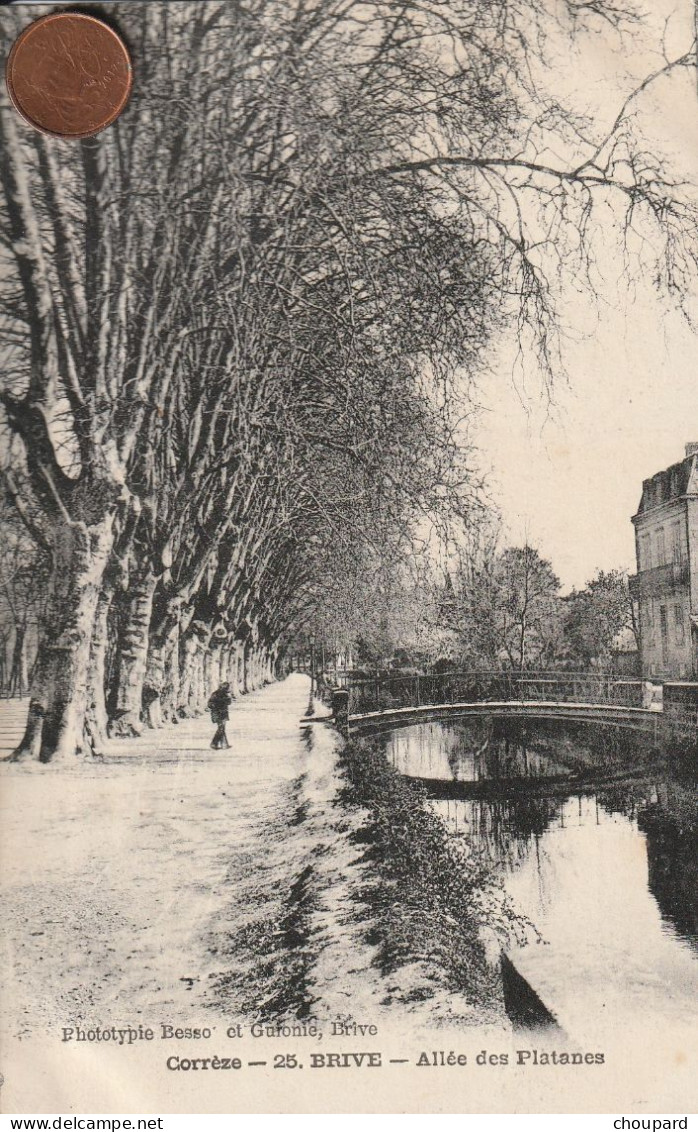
661,547
648,624
677,543
646,553
664,634
679,626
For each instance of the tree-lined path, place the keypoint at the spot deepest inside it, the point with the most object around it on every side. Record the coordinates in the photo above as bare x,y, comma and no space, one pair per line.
150,907
237,415
173,882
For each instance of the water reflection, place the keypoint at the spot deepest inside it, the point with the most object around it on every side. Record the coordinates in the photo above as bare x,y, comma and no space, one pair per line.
608,876
672,858
506,830
481,750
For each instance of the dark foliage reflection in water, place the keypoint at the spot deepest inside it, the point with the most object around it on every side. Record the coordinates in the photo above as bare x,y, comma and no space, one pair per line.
608,876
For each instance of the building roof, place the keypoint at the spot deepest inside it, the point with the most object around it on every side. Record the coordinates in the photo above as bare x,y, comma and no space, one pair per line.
678,480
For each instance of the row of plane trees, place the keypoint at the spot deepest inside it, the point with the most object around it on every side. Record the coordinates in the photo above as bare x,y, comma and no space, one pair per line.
242,326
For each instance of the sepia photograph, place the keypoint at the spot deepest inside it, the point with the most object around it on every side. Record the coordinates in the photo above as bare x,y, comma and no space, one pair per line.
349,557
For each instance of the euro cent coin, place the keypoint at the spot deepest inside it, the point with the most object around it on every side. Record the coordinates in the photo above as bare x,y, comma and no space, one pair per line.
69,75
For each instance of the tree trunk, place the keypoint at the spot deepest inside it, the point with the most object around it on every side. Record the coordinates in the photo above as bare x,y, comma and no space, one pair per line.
271,663
154,684
56,722
234,669
133,656
197,694
214,669
189,649
225,677
162,679
247,667
209,674
522,643
4,668
96,718
253,678
241,649
161,690
170,691
195,644
18,671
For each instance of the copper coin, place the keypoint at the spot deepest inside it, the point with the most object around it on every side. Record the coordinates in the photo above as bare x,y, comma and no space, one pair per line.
69,75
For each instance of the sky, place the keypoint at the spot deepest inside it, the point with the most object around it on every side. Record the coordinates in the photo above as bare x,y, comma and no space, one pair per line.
567,476
566,471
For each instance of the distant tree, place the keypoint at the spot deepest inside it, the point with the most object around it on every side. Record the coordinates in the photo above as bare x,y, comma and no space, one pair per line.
23,579
528,609
504,607
468,602
596,615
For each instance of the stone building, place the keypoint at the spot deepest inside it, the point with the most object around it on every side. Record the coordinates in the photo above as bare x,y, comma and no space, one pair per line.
665,588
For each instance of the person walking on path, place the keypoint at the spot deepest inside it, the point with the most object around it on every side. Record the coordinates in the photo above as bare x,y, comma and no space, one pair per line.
218,705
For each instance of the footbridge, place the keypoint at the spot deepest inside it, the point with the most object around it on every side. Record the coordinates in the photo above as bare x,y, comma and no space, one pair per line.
385,702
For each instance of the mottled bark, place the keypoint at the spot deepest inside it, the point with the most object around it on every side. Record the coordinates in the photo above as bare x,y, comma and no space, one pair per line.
162,680
225,664
189,651
208,675
271,661
18,672
56,722
192,697
170,691
197,694
154,684
241,668
254,667
234,669
96,719
214,669
132,659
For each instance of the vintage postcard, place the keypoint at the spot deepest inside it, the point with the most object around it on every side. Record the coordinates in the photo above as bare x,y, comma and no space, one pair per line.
349,565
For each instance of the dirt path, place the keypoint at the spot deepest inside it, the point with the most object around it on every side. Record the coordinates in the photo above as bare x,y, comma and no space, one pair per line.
171,881
114,873
174,883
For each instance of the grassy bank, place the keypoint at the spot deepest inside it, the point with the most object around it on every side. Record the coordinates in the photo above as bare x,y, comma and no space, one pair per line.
428,895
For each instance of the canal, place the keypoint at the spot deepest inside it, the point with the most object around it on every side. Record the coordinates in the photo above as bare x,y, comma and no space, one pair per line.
595,844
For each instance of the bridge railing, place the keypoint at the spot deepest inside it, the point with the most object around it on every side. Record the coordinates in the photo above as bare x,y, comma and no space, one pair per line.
382,692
